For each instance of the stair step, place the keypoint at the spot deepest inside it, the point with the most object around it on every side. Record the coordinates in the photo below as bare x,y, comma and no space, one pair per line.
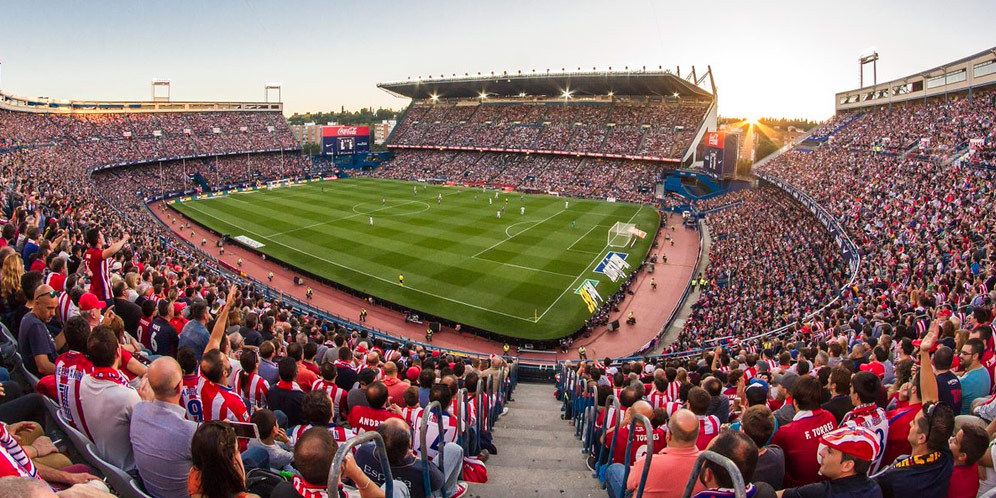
538,453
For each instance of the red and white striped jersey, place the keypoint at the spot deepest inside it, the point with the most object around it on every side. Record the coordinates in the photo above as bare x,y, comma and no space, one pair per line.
750,373
190,397
70,367
873,418
432,437
100,272
340,434
13,461
469,411
657,398
56,281
335,392
672,390
412,415
255,392
672,406
708,429
65,309
220,403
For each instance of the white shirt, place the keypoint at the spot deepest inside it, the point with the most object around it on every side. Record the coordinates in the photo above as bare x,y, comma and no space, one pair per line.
107,410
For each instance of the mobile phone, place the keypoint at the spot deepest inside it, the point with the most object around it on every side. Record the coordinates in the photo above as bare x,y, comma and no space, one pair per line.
245,430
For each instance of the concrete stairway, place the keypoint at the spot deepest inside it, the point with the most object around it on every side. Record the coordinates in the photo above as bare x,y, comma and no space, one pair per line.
538,453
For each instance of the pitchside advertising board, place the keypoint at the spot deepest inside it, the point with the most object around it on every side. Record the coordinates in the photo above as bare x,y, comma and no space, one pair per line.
720,156
345,140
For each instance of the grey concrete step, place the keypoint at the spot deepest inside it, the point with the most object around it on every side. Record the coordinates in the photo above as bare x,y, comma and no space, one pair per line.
538,454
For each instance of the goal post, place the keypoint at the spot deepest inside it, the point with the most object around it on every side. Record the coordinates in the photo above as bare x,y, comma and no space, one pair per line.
620,234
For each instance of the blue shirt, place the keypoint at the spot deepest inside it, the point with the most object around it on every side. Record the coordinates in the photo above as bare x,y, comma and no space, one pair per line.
974,384
160,438
195,336
269,371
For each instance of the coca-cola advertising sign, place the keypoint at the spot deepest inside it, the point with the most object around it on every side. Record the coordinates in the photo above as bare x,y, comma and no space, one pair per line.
345,140
345,131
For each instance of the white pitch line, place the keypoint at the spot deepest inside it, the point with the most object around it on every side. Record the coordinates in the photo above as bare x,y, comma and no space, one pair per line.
582,273
582,238
340,265
523,267
496,244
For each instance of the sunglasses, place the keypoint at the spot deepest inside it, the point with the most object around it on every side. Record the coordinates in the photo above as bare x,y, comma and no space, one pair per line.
928,413
51,294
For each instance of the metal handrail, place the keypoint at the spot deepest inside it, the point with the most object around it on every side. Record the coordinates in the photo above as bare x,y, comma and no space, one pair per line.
347,449
425,449
649,429
587,437
461,424
605,451
738,480
480,395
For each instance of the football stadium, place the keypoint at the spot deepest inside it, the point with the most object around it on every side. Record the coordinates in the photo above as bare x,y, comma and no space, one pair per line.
496,283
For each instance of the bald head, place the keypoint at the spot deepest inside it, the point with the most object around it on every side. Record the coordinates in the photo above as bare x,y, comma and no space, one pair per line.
166,379
683,429
390,369
643,408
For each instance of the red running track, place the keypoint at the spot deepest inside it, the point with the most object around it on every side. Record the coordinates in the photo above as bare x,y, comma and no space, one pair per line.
651,308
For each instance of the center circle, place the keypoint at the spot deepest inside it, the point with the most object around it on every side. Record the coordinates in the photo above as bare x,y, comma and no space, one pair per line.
391,208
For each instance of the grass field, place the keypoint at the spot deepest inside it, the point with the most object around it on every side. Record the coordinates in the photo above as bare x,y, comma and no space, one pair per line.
515,276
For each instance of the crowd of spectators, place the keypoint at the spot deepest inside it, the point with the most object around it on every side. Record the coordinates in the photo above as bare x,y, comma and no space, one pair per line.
626,127
134,339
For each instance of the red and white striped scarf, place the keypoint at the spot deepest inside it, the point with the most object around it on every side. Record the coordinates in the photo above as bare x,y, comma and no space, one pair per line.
309,490
110,375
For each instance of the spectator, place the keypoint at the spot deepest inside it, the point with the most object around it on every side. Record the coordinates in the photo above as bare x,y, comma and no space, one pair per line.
217,470
453,453
161,435
927,471
305,377
268,370
840,387
271,439
405,468
286,396
368,418
670,467
865,388
709,426
967,447
395,387
195,334
107,400
846,455
313,456
800,438
164,339
948,384
975,381
742,452
758,424
35,344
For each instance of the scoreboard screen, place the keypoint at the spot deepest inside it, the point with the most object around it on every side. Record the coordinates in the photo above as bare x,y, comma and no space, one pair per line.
345,140
719,157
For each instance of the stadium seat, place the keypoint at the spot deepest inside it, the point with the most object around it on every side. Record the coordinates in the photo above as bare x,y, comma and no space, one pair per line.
118,480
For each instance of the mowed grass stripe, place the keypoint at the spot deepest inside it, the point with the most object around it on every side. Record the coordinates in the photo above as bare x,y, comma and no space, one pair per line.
526,275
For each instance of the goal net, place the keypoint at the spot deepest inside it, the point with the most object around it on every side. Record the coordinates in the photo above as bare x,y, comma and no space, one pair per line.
620,234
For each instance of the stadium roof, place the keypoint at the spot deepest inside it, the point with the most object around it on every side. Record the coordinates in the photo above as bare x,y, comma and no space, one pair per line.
579,84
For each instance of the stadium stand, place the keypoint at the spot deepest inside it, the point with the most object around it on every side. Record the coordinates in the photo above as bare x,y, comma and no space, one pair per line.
75,181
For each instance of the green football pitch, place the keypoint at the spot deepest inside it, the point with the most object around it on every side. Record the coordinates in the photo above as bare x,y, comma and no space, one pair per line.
516,275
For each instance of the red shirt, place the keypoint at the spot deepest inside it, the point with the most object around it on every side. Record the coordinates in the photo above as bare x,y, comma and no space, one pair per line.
190,397
100,273
708,429
143,332
638,449
964,481
305,378
800,440
362,418
70,367
56,281
899,430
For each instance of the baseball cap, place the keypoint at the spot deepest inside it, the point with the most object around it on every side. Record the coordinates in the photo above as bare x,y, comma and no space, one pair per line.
90,302
435,354
875,368
857,441
413,373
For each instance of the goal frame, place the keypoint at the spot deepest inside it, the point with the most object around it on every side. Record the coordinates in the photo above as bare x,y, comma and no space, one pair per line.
619,234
